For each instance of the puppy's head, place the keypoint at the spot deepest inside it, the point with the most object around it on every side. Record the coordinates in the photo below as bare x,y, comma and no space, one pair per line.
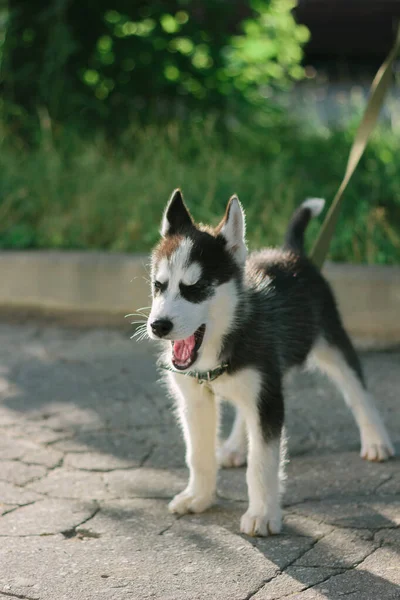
195,271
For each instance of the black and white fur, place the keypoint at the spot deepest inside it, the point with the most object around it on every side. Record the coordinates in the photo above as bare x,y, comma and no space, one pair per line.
263,315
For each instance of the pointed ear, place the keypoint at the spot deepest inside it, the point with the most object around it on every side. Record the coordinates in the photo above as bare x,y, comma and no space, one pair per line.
233,228
176,216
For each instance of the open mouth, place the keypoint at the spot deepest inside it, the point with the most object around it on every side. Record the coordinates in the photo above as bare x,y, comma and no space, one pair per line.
184,352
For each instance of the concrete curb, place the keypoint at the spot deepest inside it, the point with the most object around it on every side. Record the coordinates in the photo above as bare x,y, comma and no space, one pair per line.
100,288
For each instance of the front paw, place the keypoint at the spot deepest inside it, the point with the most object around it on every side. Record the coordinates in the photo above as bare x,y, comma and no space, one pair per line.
189,502
261,524
376,445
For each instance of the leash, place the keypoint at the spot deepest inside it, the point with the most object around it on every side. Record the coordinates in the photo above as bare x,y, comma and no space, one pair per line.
200,376
377,95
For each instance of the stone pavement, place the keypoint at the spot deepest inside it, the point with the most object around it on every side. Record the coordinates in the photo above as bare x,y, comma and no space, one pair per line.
90,454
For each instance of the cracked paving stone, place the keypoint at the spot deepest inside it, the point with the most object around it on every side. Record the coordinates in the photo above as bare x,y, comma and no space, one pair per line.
43,456
189,562
376,578
310,477
145,483
11,494
368,512
340,549
28,452
46,517
87,385
298,533
11,448
129,518
222,514
223,555
169,451
7,417
232,484
167,457
46,386
104,451
119,443
282,550
38,434
392,486
95,461
333,475
5,508
62,483
338,432
301,531
136,411
310,594
390,537
69,418
19,473
294,524
294,579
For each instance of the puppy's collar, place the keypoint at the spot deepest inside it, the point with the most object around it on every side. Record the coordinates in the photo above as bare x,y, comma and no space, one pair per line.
200,376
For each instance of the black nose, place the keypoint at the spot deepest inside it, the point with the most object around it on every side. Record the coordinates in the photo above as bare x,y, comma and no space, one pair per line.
161,327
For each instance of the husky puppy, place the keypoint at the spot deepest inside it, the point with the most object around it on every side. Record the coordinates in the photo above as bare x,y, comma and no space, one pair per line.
233,326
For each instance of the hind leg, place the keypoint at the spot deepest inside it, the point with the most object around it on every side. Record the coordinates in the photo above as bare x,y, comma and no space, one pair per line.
338,359
232,453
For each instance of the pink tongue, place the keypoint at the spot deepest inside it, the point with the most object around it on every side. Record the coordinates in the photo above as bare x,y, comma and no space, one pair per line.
183,349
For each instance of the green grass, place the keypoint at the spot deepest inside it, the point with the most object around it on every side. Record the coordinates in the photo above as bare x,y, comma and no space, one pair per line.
72,193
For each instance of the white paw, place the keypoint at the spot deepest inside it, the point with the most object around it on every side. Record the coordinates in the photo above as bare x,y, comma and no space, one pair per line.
376,452
376,445
188,502
229,456
261,525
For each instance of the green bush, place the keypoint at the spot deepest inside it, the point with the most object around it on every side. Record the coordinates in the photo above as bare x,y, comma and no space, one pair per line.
74,193
97,63
107,108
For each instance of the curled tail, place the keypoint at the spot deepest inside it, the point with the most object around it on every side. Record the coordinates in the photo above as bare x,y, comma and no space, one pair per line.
294,238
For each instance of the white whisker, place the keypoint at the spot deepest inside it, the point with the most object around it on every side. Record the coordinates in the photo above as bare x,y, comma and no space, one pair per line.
140,335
